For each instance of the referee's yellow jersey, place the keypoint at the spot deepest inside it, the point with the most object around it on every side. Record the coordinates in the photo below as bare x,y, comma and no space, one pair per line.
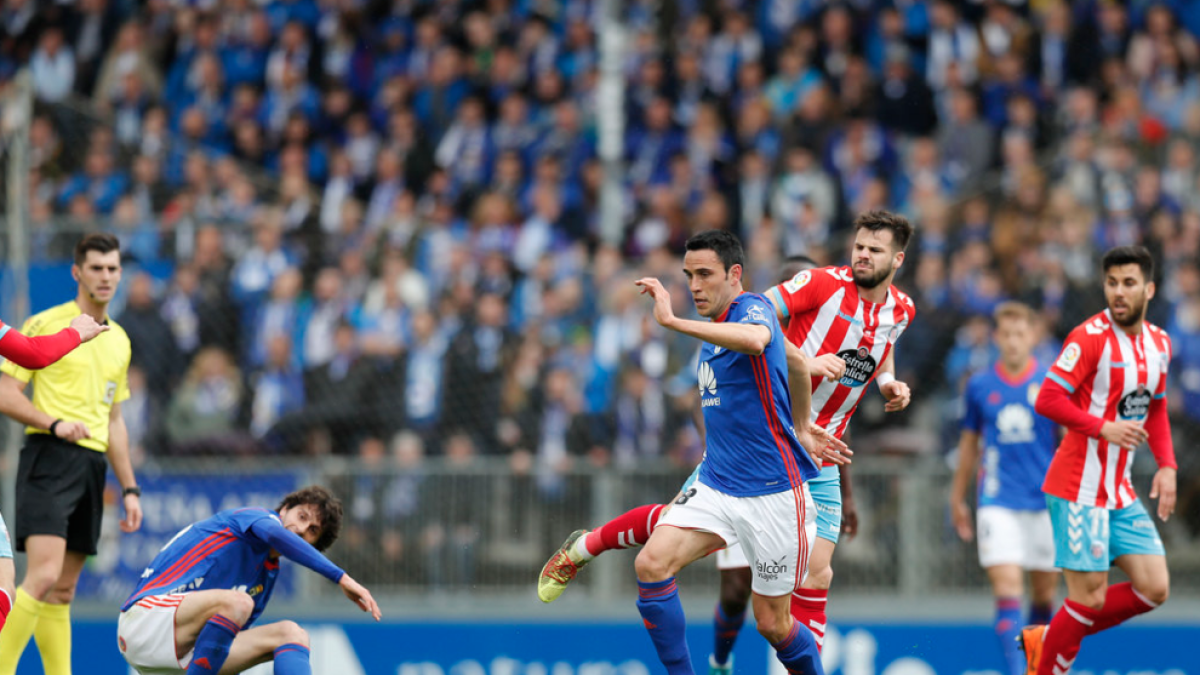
84,384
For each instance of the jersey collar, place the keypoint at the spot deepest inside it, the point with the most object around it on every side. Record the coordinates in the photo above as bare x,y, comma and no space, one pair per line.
732,303
1019,379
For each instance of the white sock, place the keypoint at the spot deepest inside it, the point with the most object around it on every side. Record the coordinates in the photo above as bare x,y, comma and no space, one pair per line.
579,551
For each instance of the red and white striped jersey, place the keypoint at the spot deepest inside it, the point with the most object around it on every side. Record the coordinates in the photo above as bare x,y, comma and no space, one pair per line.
1112,376
826,316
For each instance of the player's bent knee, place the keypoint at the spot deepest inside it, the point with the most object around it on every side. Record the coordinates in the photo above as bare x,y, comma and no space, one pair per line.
236,606
650,567
818,578
773,628
290,633
1156,592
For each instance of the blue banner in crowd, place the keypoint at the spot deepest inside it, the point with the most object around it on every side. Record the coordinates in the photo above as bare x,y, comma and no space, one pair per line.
169,504
431,648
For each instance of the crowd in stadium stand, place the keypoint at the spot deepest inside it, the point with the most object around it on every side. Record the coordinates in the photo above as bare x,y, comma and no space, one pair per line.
384,215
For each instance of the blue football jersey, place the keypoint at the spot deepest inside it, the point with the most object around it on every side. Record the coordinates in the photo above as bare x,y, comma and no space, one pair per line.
751,446
1018,443
216,553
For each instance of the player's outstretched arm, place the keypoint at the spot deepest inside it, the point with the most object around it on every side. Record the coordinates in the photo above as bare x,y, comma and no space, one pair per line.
291,546
968,458
360,595
744,338
40,351
819,443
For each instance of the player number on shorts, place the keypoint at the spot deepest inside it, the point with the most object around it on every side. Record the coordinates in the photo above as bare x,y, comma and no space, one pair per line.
691,492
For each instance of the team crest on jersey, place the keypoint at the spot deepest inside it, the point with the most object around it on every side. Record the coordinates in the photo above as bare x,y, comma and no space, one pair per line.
1135,405
860,366
1031,393
1069,357
797,282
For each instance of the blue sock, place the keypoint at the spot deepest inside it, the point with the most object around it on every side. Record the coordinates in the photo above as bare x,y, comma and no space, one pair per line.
1040,615
658,603
212,646
292,659
1008,626
798,652
725,631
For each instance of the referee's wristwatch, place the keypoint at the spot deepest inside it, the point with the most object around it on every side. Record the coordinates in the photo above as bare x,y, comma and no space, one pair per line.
134,490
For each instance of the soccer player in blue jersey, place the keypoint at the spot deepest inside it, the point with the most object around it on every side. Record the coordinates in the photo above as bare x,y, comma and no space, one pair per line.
193,608
1013,524
750,489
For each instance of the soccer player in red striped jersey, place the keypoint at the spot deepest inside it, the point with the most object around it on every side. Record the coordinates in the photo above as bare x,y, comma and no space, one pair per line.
35,353
1108,389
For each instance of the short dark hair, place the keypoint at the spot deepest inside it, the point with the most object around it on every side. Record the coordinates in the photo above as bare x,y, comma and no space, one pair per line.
1130,255
897,224
101,242
329,511
723,243
795,265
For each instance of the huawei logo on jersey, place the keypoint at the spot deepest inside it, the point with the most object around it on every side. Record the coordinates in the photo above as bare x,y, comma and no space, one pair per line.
708,385
1015,424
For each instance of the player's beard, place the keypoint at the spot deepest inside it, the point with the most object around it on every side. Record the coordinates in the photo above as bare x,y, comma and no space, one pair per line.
1135,315
869,281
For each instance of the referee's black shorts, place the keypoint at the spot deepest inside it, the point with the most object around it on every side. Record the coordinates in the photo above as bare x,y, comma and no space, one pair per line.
60,492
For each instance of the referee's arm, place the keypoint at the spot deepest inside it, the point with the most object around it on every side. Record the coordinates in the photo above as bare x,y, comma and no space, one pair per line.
118,457
15,404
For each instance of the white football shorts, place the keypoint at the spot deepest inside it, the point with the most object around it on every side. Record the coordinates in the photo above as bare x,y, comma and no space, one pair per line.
1010,537
146,635
776,531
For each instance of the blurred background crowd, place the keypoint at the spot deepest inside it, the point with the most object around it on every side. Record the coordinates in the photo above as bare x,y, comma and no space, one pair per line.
379,220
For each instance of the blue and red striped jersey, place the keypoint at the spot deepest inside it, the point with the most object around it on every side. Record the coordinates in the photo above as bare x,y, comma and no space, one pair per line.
751,447
220,552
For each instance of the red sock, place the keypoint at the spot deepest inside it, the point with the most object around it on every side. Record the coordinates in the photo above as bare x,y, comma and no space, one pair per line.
5,606
1120,604
808,607
628,530
1066,632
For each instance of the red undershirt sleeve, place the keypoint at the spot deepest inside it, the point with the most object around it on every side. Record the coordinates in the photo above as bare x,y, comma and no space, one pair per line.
1054,403
40,351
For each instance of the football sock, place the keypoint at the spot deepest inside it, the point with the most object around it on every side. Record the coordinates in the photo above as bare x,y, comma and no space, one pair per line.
662,614
5,606
212,646
1063,637
1008,627
798,652
628,530
1122,603
22,621
53,636
725,631
1039,615
808,607
292,659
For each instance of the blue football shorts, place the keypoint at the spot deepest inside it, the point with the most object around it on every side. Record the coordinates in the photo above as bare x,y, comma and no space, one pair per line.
1089,538
5,543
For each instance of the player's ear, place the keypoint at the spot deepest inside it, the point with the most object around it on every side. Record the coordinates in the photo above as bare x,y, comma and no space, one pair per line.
735,273
898,260
1150,288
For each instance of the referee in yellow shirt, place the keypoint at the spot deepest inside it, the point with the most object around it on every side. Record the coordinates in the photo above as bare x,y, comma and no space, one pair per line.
73,423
